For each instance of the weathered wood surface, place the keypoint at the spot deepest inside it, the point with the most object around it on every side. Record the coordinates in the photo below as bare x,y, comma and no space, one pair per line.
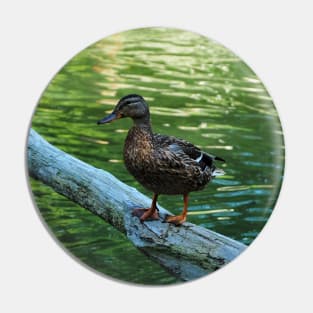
188,251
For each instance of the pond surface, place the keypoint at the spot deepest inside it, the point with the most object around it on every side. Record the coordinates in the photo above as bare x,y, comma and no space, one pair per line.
197,90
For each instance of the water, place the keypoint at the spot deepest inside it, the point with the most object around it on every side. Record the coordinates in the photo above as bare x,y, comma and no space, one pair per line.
197,90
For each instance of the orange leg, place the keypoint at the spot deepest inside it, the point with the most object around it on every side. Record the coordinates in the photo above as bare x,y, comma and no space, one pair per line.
150,213
179,219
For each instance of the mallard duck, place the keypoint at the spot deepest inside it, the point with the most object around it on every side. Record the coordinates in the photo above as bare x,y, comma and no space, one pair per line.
162,164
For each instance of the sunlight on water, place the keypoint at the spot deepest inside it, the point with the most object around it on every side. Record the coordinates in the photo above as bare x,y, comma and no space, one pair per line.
234,188
210,211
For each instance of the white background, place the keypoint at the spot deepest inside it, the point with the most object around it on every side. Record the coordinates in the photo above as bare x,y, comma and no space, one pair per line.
273,37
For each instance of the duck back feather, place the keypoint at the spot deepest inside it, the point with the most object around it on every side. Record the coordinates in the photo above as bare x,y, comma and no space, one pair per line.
180,147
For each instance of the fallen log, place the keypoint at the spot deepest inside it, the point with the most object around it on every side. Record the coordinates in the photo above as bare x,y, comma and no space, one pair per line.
188,251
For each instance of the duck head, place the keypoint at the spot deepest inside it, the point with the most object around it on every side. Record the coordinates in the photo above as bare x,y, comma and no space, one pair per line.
133,106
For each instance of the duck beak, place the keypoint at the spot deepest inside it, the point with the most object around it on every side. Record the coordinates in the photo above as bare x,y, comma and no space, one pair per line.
111,117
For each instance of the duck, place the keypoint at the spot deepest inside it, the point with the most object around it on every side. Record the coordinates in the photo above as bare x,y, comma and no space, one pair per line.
162,164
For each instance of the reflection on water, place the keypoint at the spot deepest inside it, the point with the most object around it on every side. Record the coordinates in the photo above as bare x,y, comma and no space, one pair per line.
197,90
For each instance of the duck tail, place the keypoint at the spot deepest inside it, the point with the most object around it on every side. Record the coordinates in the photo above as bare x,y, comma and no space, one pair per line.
219,159
208,160
217,172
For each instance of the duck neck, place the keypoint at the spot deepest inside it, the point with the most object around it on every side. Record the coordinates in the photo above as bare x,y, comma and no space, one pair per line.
143,122
139,141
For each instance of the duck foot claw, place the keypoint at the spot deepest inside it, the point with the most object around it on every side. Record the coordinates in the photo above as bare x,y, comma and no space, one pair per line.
145,214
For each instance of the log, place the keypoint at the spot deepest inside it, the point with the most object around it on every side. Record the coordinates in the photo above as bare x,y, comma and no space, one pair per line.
188,251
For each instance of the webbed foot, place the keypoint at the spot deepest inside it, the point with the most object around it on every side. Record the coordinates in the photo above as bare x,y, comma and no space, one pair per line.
176,220
146,214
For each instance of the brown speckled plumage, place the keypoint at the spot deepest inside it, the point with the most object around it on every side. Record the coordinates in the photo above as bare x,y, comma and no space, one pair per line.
151,160
162,164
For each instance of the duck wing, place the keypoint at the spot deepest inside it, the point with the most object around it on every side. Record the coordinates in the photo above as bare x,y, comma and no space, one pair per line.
188,153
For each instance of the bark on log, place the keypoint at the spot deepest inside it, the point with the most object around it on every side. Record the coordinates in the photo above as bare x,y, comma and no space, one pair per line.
188,251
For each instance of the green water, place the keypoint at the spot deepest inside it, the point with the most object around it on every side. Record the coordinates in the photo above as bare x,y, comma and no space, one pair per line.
197,90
